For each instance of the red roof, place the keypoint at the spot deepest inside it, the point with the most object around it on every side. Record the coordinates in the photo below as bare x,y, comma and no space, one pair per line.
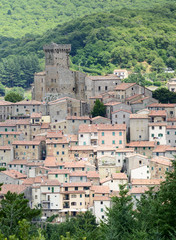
124,86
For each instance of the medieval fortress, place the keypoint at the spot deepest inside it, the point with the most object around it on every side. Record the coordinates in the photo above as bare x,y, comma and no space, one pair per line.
59,81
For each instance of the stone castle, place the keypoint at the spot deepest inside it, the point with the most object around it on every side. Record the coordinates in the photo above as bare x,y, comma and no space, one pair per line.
59,81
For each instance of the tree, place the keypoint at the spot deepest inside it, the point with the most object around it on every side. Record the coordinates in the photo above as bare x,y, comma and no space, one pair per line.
158,65
99,109
14,208
13,97
120,217
164,95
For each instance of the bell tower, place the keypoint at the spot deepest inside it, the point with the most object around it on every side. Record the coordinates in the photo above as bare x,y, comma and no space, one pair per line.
57,55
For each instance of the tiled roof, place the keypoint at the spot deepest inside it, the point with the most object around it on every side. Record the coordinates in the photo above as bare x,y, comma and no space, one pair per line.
36,115
106,77
58,134
77,184
99,117
76,164
164,148
125,150
92,174
45,126
72,138
50,161
161,161
5,148
14,174
171,127
26,143
141,144
157,113
5,103
162,105
13,188
63,140
49,182
100,189
133,96
140,100
78,118
18,162
78,173
139,116
59,171
10,133
146,181
171,120
29,102
138,190
105,148
87,128
119,176
23,122
122,110
124,86
8,123
112,103
106,127
104,180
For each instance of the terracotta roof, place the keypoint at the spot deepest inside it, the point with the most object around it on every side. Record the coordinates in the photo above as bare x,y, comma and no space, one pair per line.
106,77
107,127
84,128
18,162
99,117
101,198
161,161
105,148
96,97
162,105
14,188
133,96
36,115
50,161
124,86
8,123
119,176
112,103
58,134
104,180
45,126
92,174
14,174
29,102
23,122
78,173
78,118
50,182
146,181
63,140
171,120
124,149
76,164
164,148
40,138
26,142
100,189
59,171
139,116
171,127
138,190
5,148
157,113
141,144
77,184
5,103
140,100
72,138
10,133
73,192
122,110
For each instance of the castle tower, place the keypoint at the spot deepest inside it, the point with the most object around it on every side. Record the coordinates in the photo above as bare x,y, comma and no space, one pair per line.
57,55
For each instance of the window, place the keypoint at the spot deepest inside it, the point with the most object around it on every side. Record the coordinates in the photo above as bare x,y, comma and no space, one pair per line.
153,135
80,195
56,175
101,202
99,88
113,142
81,178
120,133
8,142
160,135
76,188
63,146
102,134
55,145
113,133
33,146
48,188
21,166
106,88
84,121
101,209
102,142
84,143
159,169
80,203
57,153
153,127
102,152
120,141
144,148
63,153
73,121
160,127
81,135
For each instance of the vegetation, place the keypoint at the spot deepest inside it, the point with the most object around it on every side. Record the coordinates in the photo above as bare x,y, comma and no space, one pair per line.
14,208
32,17
100,42
164,95
99,109
13,97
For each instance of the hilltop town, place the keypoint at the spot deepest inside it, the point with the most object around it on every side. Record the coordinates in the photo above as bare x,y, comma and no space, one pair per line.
66,161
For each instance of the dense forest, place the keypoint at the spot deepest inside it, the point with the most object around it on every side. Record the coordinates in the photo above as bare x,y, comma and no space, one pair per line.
152,218
20,17
136,40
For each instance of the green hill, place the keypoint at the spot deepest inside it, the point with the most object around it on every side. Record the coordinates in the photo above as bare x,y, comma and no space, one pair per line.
20,17
100,42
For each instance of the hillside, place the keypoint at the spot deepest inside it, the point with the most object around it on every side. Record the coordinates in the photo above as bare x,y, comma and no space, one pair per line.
100,43
20,17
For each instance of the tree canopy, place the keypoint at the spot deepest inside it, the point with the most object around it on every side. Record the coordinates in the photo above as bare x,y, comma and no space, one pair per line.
164,95
99,109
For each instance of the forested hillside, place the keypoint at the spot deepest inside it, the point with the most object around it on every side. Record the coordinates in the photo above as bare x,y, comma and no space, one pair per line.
100,42
20,17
